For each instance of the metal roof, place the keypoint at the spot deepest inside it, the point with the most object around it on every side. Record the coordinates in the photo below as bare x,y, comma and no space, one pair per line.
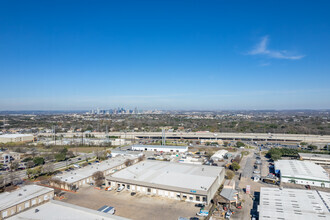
85,172
55,210
9,199
293,204
320,156
15,135
160,146
301,169
228,194
175,176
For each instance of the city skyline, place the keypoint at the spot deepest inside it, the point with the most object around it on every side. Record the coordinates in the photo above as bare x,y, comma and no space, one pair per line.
167,55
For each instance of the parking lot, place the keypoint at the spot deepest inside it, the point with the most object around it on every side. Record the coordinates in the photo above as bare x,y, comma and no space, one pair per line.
133,207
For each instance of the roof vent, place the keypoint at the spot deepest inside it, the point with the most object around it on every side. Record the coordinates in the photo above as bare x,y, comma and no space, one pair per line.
20,194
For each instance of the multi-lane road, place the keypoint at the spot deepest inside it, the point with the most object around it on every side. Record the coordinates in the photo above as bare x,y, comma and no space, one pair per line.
57,166
210,135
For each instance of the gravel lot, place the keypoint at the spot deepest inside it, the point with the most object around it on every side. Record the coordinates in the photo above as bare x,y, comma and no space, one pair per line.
133,207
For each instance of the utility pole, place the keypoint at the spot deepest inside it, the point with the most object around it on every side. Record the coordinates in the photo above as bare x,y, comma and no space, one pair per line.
54,133
82,138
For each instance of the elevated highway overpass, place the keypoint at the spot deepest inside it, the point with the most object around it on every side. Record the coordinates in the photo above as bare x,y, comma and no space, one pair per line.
210,136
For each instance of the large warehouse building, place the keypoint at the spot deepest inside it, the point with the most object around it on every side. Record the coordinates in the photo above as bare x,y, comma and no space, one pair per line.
321,159
7,138
302,172
188,182
56,210
22,199
73,180
160,148
293,204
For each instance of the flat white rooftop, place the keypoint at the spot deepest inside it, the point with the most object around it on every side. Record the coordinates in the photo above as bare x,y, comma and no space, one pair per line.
219,154
15,135
159,146
84,172
293,204
56,210
178,175
301,169
9,199
314,156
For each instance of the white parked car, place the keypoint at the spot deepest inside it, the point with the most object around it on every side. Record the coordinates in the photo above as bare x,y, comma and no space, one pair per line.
256,171
120,189
203,213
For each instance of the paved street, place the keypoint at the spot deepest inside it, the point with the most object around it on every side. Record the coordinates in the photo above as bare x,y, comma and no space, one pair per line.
57,166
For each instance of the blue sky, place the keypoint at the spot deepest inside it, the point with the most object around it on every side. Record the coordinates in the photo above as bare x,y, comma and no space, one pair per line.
70,55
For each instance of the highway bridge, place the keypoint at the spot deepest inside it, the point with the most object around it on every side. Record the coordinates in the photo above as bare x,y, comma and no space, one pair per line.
210,136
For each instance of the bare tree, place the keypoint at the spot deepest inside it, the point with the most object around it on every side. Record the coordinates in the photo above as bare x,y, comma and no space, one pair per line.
2,181
48,168
30,164
14,178
14,165
57,192
142,157
98,178
34,152
56,181
128,162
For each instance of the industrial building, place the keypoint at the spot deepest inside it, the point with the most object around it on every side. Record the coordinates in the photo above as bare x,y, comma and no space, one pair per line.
115,153
229,193
74,179
302,172
219,155
191,160
321,159
55,210
293,204
160,148
7,138
187,182
22,199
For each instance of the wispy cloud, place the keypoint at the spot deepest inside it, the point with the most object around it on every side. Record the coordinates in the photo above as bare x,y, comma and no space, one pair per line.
264,64
262,49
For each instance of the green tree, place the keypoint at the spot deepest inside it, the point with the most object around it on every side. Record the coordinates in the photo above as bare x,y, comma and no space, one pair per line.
39,161
29,173
240,144
235,166
230,174
275,157
312,147
59,157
